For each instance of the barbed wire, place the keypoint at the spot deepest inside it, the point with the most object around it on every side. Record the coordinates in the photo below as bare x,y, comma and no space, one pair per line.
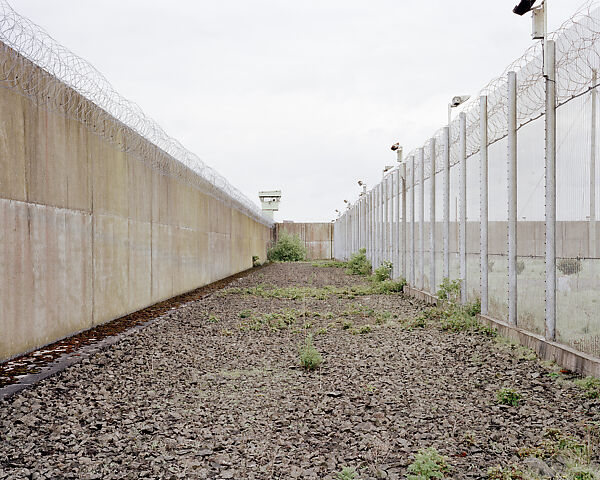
577,64
36,66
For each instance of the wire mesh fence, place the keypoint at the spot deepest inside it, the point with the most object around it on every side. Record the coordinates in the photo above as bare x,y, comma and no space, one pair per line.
475,202
24,47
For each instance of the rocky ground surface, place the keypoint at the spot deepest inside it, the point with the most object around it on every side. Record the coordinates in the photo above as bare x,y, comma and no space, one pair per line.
216,391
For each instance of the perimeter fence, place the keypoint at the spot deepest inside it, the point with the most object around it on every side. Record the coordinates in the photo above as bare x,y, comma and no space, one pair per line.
483,202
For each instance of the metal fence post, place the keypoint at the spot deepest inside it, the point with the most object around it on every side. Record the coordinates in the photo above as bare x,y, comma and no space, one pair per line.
462,200
446,232
512,198
550,191
413,263
432,282
384,203
397,267
592,234
422,219
483,205
404,230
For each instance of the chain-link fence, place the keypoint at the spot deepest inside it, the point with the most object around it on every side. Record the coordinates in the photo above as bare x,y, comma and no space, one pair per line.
24,47
504,198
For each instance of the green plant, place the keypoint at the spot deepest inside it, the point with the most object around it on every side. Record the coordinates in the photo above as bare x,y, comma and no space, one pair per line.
383,272
245,313
214,319
359,264
310,358
510,473
364,329
321,331
428,464
347,473
520,267
449,291
329,264
508,396
347,325
590,385
256,261
288,248
390,286
569,266
474,308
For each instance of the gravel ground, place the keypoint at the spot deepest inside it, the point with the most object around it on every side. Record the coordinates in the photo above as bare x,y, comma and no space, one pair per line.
216,392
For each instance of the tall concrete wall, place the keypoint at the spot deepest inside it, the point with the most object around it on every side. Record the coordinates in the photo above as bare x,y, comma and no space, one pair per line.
317,237
97,225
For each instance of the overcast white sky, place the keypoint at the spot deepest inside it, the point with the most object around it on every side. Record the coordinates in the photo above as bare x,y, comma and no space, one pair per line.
303,96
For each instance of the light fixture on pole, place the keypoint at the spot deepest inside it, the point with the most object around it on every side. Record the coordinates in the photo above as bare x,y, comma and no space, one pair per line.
456,102
364,188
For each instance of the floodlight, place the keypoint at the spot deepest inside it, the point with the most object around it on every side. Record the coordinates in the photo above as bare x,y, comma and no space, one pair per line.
524,6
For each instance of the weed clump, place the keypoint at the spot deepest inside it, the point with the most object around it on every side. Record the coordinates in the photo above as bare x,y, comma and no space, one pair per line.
590,386
508,396
288,248
329,264
428,464
347,474
359,264
509,473
310,358
256,261
383,272
364,329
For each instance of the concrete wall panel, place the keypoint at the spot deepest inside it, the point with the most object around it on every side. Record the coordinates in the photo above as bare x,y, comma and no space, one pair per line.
89,233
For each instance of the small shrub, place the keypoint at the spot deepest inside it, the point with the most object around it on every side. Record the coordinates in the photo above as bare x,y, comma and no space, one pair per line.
359,264
347,325
329,264
256,261
383,272
390,286
474,308
364,329
449,291
508,396
520,267
310,358
569,266
590,385
511,473
428,464
347,474
289,248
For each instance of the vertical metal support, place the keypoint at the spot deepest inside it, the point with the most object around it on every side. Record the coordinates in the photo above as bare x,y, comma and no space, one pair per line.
379,222
432,280
382,229
462,200
550,191
594,97
483,202
413,262
404,230
512,198
422,218
384,240
398,243
446,232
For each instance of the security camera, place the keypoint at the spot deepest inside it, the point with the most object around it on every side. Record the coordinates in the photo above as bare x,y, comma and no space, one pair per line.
459,100
360,183
524,6
395,147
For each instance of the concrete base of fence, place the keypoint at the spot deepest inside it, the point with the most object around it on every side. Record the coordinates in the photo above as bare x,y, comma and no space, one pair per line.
565,356
421,295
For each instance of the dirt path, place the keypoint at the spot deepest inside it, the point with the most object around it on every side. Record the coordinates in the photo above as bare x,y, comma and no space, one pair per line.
217,392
